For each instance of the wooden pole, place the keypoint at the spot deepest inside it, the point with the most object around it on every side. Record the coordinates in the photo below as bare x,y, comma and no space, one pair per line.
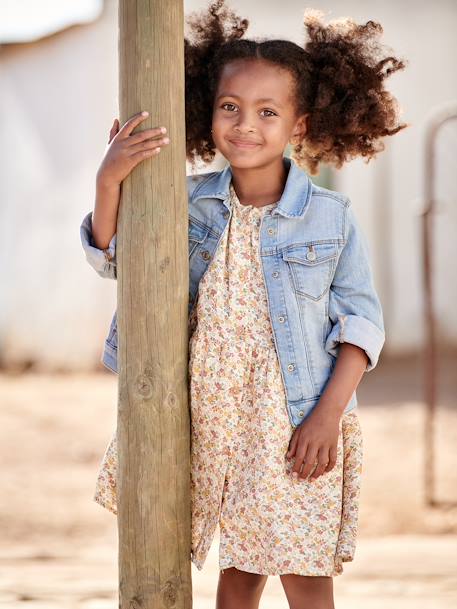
153,424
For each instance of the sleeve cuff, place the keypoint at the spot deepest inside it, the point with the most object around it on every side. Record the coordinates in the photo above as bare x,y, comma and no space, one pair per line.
102,260
358,331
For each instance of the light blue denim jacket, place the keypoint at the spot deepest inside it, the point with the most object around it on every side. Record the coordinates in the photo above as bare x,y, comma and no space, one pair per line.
317,271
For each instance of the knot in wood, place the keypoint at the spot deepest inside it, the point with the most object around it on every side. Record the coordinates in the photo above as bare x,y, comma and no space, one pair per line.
164,263
171,400
170,593
144,386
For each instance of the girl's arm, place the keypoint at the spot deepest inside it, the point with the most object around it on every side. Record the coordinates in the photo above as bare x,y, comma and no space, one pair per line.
316,438
356,339
125,150
104,217
349,368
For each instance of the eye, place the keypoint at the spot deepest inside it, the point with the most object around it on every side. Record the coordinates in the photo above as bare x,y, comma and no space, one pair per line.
272,113
227,104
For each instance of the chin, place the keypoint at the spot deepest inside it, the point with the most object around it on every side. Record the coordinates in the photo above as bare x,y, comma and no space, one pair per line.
243,161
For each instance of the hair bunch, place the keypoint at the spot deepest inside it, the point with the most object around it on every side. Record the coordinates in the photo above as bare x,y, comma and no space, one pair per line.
339,76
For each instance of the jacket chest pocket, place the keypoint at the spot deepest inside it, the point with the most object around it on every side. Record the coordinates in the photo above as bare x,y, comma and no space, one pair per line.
311,266
197,235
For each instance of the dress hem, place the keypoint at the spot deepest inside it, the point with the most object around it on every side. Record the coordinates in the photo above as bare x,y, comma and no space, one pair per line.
338,570
104,505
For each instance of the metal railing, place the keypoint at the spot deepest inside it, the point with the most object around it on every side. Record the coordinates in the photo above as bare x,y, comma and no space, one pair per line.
442,117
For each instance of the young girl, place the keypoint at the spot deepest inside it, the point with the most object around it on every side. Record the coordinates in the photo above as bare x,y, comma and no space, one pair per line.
284,318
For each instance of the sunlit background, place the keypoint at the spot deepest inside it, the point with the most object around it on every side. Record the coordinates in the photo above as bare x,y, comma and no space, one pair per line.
58,99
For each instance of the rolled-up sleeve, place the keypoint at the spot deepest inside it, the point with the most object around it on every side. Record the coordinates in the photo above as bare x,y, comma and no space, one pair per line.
354,307
102,260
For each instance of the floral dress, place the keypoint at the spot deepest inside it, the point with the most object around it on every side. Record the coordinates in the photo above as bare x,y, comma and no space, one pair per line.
269,522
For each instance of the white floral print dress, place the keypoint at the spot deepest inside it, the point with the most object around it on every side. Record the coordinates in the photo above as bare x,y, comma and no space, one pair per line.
269,522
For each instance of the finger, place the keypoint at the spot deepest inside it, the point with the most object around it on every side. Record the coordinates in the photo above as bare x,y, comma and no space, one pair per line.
322,458
147,145
144,154
131,123
114,130
299,458
292,445
333,452
309,461
141,136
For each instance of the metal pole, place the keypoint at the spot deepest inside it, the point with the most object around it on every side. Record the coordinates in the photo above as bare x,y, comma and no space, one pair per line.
430,353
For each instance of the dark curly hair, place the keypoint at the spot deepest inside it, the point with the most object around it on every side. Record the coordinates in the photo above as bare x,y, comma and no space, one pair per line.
339,80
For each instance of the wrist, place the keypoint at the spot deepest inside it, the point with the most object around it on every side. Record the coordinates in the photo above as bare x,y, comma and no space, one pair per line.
330,408
105,184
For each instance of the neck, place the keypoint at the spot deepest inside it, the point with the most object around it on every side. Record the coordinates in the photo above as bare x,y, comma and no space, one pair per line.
260,186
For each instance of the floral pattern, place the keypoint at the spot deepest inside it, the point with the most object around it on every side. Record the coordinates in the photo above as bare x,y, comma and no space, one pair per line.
269,522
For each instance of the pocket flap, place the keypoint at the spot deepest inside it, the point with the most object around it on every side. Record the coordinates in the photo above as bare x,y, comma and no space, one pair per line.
311,253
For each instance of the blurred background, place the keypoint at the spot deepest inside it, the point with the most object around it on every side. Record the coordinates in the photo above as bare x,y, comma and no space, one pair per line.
59,96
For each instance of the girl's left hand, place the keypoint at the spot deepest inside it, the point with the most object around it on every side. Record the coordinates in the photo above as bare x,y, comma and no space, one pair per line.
315,439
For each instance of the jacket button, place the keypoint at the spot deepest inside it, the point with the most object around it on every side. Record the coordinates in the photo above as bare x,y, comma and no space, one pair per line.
311,255
275,274
270,231
291,367
205,254
301,413
281,319
225,215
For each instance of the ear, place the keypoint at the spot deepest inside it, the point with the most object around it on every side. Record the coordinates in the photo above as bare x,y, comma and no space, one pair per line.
299,130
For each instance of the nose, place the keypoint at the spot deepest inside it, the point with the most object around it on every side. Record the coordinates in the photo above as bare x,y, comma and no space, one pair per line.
244,124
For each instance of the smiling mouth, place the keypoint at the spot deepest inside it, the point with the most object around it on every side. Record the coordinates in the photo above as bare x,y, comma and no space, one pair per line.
241,144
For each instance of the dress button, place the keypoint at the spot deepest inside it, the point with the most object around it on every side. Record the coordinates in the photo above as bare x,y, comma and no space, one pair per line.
291,367
311,255
281,318
205,254
275,274
270,231
301,413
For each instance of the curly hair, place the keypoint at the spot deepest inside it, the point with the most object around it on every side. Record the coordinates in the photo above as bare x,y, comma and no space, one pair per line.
338,75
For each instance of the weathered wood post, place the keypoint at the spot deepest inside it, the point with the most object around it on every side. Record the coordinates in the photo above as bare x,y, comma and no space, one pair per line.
153,424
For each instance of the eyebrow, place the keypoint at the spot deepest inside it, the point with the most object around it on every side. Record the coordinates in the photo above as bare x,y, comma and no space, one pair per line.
260,101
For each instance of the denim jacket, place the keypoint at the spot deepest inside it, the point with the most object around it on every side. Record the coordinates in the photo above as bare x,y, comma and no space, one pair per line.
317,272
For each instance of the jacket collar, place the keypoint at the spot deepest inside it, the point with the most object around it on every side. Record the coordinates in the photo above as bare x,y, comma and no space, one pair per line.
293,202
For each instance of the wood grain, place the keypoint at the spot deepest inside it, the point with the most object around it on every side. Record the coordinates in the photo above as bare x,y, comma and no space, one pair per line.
152,249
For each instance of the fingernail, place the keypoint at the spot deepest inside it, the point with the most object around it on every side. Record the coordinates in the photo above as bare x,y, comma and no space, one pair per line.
145,113
295,474
163,129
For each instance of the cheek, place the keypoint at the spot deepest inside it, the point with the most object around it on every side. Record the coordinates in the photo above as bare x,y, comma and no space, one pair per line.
220,120
275,132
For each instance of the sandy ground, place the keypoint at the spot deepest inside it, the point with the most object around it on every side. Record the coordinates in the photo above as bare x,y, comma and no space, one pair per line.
59,548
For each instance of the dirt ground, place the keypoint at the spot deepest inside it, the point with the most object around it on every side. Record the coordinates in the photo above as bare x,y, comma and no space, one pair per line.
58,547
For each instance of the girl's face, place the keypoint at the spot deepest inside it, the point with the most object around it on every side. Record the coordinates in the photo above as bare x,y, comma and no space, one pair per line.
254,113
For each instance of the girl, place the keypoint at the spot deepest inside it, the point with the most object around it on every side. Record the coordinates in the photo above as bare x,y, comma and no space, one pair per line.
284,318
